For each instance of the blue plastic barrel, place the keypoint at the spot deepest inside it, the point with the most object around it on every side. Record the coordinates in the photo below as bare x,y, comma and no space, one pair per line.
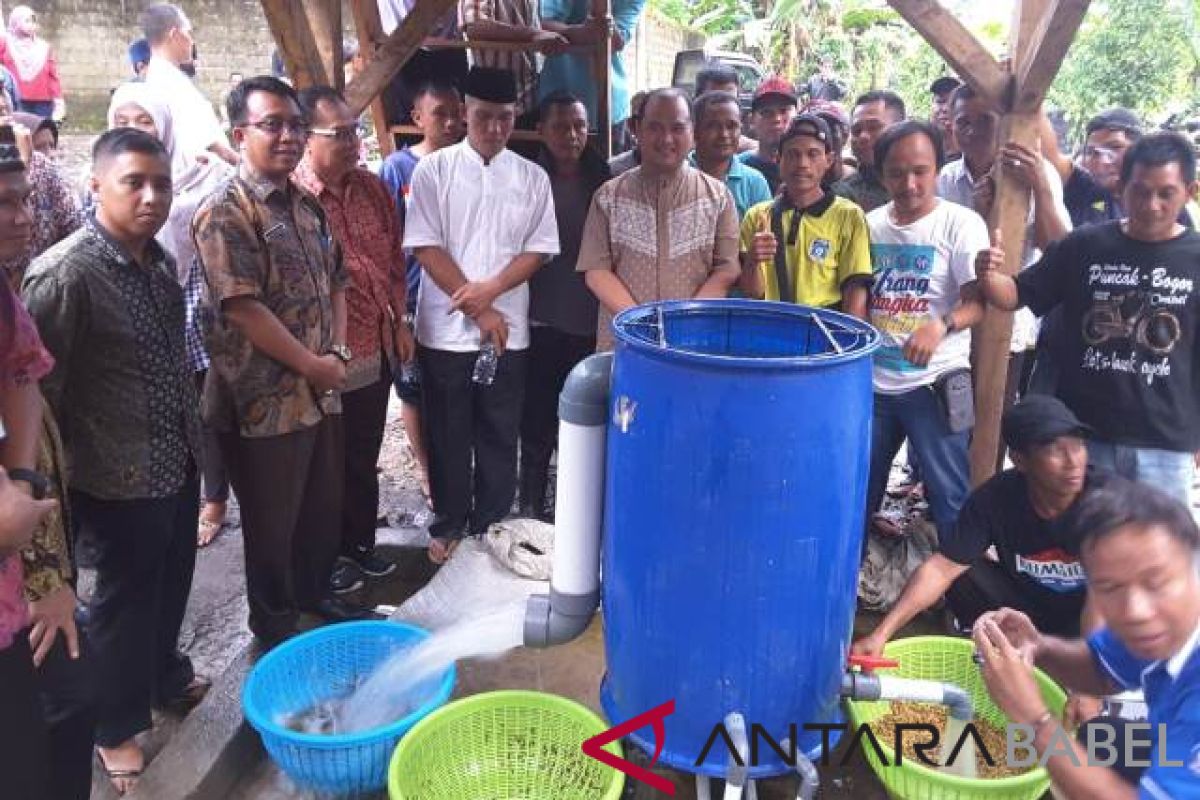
736,478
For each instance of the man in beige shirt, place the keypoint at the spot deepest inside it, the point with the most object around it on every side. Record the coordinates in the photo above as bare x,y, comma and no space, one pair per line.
663,230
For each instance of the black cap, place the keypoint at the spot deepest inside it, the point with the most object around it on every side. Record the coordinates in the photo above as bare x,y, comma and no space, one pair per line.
807,125
1039,419
10,154
1115,119
491,85
944,85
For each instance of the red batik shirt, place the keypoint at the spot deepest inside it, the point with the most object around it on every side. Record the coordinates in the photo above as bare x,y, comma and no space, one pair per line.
23,360
364,222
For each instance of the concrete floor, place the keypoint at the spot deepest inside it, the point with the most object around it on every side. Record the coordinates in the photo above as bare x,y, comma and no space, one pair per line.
573,670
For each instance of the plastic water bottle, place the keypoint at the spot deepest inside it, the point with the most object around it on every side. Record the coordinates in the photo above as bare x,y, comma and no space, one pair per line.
485,365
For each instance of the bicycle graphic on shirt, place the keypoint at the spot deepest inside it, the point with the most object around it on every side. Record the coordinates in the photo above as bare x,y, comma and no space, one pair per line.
1130,316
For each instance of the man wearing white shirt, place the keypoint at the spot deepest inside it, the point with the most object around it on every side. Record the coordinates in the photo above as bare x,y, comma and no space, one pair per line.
197,128
481,221
924,302
970,181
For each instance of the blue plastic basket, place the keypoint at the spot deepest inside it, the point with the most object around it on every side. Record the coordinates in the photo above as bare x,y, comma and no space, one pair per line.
316,666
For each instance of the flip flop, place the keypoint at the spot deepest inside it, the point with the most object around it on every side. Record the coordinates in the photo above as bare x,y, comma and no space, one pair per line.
124,781
447,549
190,697
207,532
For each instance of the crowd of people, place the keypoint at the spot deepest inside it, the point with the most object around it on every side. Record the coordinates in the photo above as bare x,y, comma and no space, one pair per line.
227,315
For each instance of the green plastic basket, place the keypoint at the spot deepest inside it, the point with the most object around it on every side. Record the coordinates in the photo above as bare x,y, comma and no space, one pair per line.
946,659
504,746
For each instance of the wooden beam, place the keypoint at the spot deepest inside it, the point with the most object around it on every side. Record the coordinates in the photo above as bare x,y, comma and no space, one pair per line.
370,33
309,42
1026,16
394,52
1047,49
990,339
962,51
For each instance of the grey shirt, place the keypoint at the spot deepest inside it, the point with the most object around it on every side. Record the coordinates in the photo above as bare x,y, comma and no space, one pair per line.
121,389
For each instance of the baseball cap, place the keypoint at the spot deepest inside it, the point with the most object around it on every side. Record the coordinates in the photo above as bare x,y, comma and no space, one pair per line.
773,88
807,125
1039,419
944,85
1115,119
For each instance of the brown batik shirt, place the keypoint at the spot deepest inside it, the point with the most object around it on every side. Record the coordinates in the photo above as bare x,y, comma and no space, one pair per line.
663,237
274,245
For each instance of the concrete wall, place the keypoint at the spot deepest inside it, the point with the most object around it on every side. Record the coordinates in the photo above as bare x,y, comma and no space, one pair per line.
650,58
91,37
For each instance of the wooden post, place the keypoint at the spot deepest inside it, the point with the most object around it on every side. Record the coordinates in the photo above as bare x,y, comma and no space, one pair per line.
310,42
370,34
1041,32
394,52
602,71
990,340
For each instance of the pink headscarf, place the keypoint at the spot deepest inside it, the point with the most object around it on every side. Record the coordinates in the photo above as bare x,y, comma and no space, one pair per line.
29,51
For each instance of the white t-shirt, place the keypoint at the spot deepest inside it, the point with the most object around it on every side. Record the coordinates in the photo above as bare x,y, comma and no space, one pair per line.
955,184
193,120
919,270
484,216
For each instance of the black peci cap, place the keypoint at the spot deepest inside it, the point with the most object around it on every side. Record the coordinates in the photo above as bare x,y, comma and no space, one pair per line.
491,85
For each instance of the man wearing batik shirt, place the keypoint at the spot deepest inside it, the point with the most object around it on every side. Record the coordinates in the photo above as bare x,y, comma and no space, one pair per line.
275,315
110,310
363,218
481,222
663,230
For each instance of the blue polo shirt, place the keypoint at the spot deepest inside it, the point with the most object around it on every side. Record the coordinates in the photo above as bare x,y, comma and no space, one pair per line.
1173,701
746,184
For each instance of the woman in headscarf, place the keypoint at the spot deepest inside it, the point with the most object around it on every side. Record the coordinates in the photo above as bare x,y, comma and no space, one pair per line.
31,61
56,212
137,105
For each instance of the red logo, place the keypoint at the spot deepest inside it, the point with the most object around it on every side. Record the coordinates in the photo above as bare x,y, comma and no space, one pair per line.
594,747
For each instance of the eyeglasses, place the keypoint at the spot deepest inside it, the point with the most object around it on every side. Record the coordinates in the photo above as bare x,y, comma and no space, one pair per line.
346,134
1105,155
274,127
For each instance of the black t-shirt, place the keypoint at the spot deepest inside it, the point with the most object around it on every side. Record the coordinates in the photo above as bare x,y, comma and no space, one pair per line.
1036,552
1127,345
1088,202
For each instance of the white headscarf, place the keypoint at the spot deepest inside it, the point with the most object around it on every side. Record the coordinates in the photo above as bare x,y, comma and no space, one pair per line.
141,95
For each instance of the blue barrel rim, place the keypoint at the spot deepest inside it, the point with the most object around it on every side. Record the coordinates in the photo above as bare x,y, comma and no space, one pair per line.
266,725
870,338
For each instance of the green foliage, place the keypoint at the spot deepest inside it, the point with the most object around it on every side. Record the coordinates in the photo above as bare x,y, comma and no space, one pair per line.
1128,52
1130,55
859,20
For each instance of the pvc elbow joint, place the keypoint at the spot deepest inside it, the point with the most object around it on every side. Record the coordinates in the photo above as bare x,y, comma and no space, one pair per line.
557,618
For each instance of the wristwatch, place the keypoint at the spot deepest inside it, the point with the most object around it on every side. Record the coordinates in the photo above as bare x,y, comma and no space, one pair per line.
341,351
38,483
948,322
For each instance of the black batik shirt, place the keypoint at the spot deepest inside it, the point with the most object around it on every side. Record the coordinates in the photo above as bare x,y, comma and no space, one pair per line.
121,389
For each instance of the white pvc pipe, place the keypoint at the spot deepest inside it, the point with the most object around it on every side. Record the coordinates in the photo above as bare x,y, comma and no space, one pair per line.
578,508
893,688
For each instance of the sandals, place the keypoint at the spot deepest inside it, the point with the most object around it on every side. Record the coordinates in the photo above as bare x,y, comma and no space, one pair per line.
440,550
123,780
207,532
190,697
209,528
